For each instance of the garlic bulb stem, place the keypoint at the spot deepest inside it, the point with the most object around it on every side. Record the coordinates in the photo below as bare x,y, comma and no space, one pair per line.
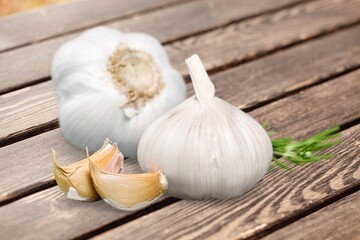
204,88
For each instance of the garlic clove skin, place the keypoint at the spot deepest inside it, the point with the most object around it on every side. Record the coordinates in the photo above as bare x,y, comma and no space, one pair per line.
75,181
206,147
113,85
127,192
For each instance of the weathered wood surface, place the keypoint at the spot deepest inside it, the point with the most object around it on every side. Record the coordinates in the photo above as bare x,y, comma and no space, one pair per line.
341,56
315,109
196,17
281,195
35,104
27,163
61,211
266,33
340,220
303,77
31,26
245,86
166,25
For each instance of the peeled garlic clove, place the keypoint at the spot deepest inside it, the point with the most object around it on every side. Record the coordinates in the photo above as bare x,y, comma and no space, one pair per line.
113,84
206,147
75,180
127,191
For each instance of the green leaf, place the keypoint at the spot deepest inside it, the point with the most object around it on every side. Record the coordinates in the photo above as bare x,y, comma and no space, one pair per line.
280,164
299,152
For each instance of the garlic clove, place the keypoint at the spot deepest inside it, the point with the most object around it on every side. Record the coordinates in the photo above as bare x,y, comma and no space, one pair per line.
75,180
127,191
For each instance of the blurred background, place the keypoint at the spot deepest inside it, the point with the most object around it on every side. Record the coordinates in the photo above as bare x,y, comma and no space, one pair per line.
8,7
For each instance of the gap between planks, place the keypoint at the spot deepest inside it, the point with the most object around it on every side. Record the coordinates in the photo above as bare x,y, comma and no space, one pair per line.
140,9
328,78
335,221
162,7
302,214
337,15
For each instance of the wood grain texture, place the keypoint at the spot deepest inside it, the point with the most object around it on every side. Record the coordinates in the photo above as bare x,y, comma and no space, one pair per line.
37,105
217,48
340,220
200,16
30,160
166,25
45,22
316,111
24,111
68,218
248,39
279,193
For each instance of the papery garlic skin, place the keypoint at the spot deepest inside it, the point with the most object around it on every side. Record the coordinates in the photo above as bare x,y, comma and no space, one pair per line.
127,192
94,103
75,180
206,147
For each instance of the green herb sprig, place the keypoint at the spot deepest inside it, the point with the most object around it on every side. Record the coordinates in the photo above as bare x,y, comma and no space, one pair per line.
299,152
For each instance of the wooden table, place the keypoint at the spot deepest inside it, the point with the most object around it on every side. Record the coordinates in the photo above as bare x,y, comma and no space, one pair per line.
294,63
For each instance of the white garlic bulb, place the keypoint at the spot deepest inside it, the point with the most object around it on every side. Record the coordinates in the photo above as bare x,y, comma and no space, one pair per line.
113,85
206,147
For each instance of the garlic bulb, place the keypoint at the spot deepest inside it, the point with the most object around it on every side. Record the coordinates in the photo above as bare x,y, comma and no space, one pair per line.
206,147
75,180
113,85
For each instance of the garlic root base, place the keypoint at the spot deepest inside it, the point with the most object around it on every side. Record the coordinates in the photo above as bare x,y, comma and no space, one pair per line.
73,195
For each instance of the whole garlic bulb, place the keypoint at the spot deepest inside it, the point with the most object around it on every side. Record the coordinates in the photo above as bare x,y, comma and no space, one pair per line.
206,147
113,85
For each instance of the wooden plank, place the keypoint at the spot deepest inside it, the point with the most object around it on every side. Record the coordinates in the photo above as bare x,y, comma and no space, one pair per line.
281,195
320,109
62,210
340,220
37,105
255,37
166,25
285,27
31,26
33,156
200,16
23,111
